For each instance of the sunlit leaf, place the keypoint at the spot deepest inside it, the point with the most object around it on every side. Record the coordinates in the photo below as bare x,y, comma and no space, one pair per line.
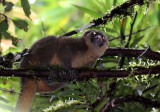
4,100
108,4
114,2
19,13
14,1
111,30
6,107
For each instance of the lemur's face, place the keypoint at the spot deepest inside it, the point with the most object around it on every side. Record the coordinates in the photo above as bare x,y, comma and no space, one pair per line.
97,37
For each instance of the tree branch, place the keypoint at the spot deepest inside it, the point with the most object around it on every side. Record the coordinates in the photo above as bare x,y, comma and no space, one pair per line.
140,99
122,10
78,74
8,59
129,52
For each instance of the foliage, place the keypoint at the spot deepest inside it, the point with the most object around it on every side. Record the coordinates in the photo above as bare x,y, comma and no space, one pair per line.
19,23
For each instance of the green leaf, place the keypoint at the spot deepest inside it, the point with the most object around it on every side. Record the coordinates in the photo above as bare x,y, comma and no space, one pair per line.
4,100
114,2
136,41
9,6
3,27
0,38
89,11
8,36
75,108
100,105
6,107
21,24
15,41
111,30
159,15
26,7
108,4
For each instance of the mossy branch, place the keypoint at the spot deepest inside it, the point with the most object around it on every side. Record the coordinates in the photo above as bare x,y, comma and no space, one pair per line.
8,59
78,74
123,10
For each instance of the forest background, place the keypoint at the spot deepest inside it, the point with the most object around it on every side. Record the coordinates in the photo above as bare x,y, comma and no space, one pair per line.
51,17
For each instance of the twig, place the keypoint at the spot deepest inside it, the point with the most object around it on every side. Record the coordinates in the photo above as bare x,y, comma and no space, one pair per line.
121,62
143,53
151,87
129,34
131,30
140,99
9,90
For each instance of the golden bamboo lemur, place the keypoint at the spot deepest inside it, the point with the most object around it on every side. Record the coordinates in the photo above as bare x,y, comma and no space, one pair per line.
64,51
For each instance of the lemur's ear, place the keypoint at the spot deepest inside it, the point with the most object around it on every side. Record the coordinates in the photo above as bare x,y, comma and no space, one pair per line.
86,32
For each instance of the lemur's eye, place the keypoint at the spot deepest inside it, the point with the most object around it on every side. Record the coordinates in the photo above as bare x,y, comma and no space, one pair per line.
94,33
103,38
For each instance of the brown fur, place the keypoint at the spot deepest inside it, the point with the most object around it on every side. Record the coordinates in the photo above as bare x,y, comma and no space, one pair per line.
55,60
64,51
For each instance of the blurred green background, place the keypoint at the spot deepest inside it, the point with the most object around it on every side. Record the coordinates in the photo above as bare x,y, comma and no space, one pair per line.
56,17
